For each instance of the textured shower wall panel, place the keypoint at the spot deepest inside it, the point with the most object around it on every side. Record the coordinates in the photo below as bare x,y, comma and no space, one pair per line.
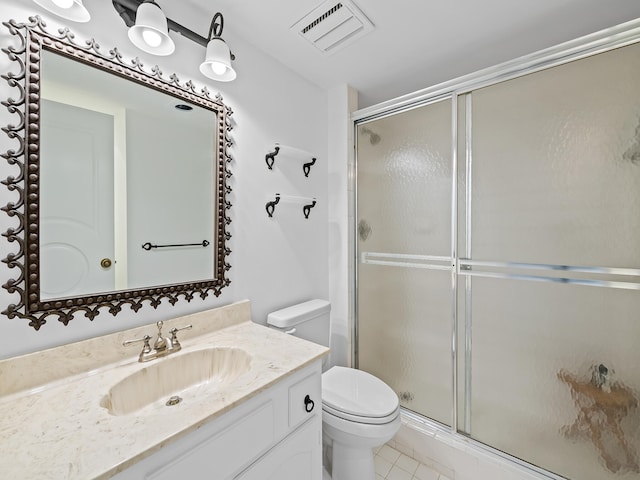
404,335
404,182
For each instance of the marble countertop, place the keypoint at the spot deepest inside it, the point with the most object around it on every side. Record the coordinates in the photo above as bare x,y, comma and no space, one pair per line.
52,420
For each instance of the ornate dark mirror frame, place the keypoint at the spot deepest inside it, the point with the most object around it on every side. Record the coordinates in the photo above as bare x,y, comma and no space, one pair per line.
34,38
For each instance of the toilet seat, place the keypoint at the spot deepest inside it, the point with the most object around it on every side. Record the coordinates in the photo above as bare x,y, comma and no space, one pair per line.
360,418
358,396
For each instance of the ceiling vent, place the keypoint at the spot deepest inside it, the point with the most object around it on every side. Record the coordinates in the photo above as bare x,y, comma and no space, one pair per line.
333,25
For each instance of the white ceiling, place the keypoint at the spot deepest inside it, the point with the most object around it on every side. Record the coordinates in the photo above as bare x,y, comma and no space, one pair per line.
415,43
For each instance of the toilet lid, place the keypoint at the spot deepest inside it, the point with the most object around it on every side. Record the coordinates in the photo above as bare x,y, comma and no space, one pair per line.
357,393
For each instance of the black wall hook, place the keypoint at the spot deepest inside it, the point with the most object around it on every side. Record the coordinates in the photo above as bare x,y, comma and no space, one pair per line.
270,158
307,209
306,168
271,206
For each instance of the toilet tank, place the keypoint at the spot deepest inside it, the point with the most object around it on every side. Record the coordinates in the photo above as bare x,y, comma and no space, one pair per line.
308,320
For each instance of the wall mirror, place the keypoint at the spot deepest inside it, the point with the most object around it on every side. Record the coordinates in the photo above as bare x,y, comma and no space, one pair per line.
120,175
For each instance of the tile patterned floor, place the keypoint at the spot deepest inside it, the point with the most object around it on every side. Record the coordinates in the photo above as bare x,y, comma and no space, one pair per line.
392,464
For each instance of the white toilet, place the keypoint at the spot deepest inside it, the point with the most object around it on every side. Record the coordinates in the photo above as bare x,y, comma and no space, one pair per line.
359,411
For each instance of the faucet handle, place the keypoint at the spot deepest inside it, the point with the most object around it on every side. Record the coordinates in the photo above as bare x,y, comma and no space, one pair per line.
175,344
144,339
146,348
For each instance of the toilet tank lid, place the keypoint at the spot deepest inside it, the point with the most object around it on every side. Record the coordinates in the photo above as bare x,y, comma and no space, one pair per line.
295,314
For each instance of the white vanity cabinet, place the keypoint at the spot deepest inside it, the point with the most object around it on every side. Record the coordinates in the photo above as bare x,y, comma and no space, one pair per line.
294,458
274,435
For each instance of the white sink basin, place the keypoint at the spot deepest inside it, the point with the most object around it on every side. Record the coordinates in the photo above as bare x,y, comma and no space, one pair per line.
165,378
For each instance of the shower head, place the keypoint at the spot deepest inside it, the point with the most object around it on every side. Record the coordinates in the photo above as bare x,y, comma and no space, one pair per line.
374,138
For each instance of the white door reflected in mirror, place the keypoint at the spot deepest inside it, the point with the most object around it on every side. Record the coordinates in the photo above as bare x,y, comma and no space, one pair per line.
76,228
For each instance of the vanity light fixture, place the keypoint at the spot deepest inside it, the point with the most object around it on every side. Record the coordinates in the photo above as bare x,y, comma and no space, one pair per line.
72,10
150,32
148,25
217,62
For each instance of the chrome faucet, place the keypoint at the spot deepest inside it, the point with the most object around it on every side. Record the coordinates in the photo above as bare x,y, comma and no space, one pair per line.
162,347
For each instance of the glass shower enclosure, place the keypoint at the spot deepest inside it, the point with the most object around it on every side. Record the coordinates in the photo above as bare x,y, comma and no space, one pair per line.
498,261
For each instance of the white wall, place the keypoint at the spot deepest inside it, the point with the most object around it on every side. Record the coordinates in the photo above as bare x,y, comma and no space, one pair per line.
275,262
342,101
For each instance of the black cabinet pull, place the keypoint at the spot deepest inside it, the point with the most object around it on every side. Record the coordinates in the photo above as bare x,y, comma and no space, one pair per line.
308,404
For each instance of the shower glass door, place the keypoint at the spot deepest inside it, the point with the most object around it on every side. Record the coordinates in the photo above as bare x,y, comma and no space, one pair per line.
509,215
551,241
404,242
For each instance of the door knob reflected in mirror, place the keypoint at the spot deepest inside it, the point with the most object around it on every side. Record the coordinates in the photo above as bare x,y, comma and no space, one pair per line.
105,263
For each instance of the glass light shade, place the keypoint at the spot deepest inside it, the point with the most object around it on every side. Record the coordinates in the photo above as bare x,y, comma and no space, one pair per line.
72,10
150,33
151,37
64,3
217,63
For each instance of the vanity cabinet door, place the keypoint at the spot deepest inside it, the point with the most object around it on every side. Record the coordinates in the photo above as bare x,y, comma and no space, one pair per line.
297,457
304,399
